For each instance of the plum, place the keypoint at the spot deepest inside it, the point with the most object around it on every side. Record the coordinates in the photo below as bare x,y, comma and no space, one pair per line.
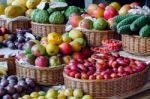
23,84
12,37
4,82
18,88
20,46
2,92
8,42
7,97
4,43
21,39
10,89
12,77
38,38
30,82
15,96
11,46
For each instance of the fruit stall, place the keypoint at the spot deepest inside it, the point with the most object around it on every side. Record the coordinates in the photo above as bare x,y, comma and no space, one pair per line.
52,49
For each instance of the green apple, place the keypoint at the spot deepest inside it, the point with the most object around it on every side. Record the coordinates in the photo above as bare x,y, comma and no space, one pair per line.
66,38
87,97
82,41
34,94
52,93
41,97
77,93
42,93
52,49
66,59
68,92
75,34
55,61
26,97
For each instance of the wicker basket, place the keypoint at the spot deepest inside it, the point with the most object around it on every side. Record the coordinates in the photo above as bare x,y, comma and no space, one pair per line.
40,29
136,44
43,76
12,26
104,89
95,37
10,63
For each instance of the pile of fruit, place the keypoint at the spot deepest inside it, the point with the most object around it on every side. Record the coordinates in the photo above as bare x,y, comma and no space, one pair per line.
58,94
12,87
99,17
132,24
16,40
53,13
103,66
55,50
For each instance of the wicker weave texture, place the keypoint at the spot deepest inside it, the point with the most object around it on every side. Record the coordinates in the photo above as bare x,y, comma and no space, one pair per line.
43,76
12,26
95,37
136,45
102,89
44,29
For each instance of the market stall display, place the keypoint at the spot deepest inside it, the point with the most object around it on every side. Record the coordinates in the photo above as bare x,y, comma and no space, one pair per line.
70,52
51,18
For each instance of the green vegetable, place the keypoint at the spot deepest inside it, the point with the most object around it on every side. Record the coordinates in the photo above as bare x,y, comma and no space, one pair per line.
43,6
145,31
42,16
124,29
119,18
50,10
33,14
56,18
127,21
70,10
139,23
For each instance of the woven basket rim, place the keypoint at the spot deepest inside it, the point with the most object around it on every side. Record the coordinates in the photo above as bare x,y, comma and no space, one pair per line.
35,23
16,20
109,80
38,68
135,36
96,31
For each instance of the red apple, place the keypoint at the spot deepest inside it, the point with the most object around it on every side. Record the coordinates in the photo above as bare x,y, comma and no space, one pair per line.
65,48
120,69
78,75
124,9
75,19
86,24
73,67
113,75
99,77
84,76
106,76
86,52
78,56
128,69
102,5
92,77
91,8
134,4
41,61
67,71
38,50
4,30
72,74
110,12
82,67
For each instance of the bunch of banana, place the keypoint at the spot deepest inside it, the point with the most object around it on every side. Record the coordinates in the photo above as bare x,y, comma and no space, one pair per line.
3,68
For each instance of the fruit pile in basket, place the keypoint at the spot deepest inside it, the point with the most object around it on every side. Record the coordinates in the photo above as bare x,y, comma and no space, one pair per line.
103,66
53,13
3,35
58,94
99,17
12,87
16,40
55,49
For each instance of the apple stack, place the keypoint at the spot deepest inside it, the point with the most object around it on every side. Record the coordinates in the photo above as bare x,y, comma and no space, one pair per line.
95,23
47,57
104,75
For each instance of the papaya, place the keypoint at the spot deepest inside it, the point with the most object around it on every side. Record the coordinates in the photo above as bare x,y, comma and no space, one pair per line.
125,29
119,18
145,31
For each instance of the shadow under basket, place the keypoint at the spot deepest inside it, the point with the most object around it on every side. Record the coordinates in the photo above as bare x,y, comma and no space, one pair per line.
41,30
18,24
105,89
136,45
10,64
43,76
95,37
